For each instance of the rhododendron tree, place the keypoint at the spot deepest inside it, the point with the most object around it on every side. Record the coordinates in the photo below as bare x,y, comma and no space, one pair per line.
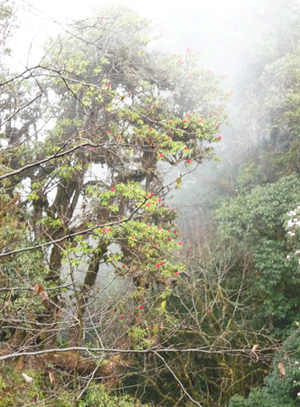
91,260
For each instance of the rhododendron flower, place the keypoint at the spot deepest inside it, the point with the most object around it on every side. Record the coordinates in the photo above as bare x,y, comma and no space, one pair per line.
110,131
121,317
92,148
162,204
159,199
162,263
143,230
177,274
147,204
188,161
152,329
123,266
158,265
169,239
161,155
190,76
180,244
184,121
108,84
119,138
185,147
133,237
150,129
112,189
170,121
175,231
141,307
219,136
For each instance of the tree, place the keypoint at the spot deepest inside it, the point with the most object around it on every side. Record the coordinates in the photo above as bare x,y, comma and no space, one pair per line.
89,135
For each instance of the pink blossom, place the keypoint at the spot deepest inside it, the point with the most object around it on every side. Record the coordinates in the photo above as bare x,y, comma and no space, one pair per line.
188,161
108,84
150,129
180,244
158,265
177,274
110,131
112,189
161,155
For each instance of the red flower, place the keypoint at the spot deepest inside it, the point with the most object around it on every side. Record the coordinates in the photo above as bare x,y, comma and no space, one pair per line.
108,84
177,274
159,199
186,147
147,204
169,239
152,329
92,148
190,76
180,244
187,115
148,224
112,189
143,230
123,267
162,263
170,121
220,137
141,307
119,138
174,55
175,231
184,121
110,131
121,317
133,237
150,129
152,193
162,204
161,155
188,161
158,266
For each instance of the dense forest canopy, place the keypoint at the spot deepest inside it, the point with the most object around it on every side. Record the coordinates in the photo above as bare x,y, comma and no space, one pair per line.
149,216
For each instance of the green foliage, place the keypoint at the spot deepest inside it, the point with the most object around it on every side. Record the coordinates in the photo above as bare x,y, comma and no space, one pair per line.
96,396
255,223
